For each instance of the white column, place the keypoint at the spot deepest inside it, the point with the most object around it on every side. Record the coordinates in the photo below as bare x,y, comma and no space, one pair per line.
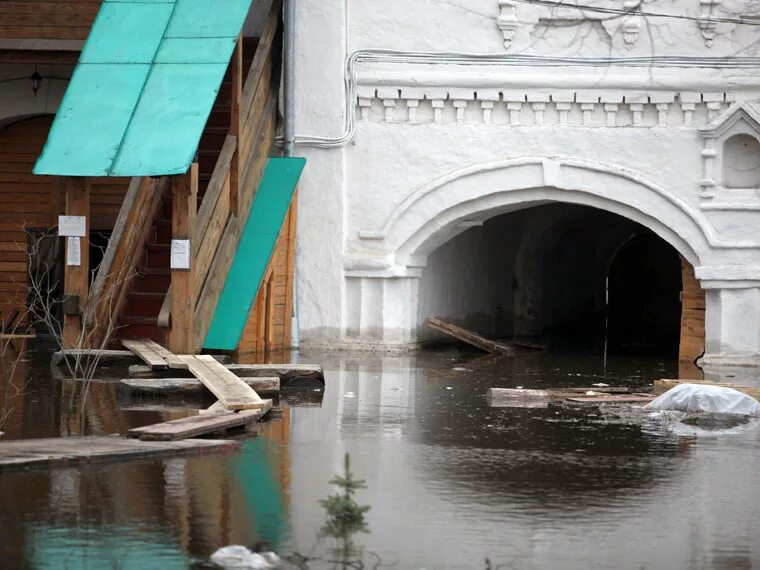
732,324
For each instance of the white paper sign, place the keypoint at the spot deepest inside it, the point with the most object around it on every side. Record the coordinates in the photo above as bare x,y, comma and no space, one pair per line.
72,226
180,254
73,251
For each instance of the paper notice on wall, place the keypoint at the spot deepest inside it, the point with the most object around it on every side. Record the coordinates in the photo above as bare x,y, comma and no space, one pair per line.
180,254
73,251
72,226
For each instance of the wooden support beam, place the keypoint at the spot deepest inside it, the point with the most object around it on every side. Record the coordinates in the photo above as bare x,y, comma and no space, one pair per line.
76,277
184,206
236,76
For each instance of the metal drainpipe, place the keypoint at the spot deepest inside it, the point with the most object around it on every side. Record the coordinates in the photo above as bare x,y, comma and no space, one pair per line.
289,17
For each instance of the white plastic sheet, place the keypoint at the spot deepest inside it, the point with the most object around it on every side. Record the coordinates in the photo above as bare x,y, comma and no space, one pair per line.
705,398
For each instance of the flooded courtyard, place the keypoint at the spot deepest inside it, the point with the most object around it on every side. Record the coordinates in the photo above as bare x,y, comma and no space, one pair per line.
451,482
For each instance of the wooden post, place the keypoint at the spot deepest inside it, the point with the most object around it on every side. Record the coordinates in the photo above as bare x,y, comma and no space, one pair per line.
236,95
184,207
76,277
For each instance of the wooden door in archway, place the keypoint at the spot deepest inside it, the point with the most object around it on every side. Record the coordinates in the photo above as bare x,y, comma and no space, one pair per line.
692,344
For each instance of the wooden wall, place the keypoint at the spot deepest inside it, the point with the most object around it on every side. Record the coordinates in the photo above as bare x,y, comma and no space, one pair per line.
34,202
692,315
47,19
267,331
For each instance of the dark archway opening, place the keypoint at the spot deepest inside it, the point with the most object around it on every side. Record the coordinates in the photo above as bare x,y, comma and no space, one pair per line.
644,287
570,276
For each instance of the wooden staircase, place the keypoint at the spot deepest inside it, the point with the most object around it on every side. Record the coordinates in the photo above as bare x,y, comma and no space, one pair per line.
209,205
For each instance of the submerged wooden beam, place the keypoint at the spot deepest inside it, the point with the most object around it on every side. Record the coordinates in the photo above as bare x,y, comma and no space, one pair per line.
66,451
116,357
200,425
526,398
309,375
662,386
188,386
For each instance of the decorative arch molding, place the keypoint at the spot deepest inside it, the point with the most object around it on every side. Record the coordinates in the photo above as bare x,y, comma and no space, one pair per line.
446,206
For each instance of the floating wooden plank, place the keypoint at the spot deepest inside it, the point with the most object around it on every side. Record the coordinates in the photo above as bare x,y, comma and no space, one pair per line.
228,388
200,425
145,352
526,398
475,339
299,375
66,451
662,386
612,399
188,386
154,355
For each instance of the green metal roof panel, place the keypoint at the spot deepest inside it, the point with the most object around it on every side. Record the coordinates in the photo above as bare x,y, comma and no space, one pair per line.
109,93
143,89
254,252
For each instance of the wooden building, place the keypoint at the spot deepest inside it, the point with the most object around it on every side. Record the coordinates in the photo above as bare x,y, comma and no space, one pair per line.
132,220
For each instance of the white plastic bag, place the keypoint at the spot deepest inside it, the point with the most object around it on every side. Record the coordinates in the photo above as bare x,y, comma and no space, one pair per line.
236,556
705,398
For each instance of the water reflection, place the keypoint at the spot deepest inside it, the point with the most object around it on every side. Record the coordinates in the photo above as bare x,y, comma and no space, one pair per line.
450,480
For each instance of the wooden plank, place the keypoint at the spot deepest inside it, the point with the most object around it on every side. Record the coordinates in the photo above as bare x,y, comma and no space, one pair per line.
287,373
662,386
468,337
236,75
146,352
67,451
228,388
612,399
205,424
264,386
184,206
77,277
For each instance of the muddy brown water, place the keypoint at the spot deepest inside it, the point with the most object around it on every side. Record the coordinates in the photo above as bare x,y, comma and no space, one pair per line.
450,481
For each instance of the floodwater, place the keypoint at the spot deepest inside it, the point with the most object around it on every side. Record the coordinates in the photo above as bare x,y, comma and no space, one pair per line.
450,481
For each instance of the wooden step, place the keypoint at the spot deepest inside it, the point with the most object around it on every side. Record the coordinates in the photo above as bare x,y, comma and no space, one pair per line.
153,280
157,255
144,304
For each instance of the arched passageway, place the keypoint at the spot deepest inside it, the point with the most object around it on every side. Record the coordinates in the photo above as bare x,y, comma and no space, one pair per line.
572,275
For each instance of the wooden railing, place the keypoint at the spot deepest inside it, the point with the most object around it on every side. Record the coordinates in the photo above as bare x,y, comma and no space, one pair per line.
222,215
122,256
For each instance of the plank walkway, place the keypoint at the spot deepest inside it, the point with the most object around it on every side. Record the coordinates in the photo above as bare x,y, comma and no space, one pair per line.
228,388
205,424
188,386
154,355
65,451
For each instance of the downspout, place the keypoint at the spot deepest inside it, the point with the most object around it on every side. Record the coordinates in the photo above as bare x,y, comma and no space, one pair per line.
289,48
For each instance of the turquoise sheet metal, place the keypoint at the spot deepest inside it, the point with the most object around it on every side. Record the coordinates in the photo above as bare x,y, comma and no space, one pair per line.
143,89
255,249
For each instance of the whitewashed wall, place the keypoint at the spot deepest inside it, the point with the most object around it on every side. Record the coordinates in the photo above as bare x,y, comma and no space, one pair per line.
440,145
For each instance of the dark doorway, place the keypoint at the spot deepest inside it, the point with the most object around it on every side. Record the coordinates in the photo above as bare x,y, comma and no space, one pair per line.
644,287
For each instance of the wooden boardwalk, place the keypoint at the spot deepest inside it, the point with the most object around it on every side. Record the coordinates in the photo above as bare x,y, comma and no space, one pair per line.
65,451
228,388
154,355
308,375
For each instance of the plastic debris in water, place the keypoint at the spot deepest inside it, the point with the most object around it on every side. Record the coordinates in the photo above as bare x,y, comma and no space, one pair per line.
236,556
600,385
590,393
349,395
449,388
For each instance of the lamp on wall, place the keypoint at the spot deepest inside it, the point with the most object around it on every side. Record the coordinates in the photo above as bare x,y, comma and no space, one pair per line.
36,80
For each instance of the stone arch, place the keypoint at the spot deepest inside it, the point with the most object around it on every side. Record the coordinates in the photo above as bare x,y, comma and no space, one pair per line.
438,211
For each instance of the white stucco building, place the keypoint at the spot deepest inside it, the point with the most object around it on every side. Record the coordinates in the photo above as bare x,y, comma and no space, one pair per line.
465,173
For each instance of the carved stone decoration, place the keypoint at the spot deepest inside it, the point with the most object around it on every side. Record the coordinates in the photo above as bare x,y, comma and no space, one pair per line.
709,27
739,122
631,32
507,20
